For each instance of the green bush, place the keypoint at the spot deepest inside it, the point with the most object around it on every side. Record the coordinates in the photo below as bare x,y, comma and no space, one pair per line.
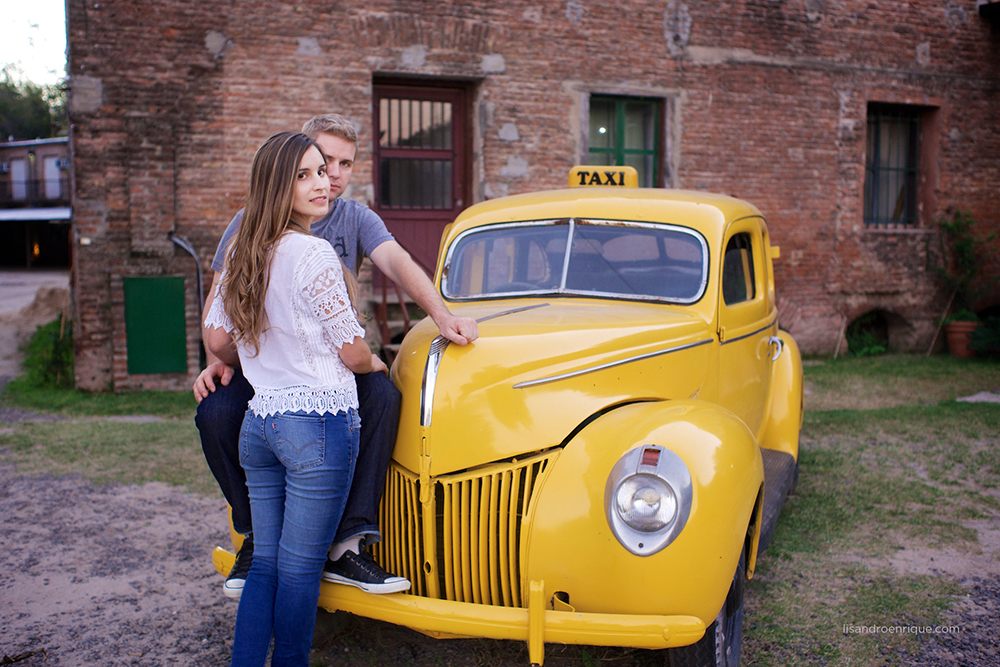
985,340
865,337
963,315
49,356
964,258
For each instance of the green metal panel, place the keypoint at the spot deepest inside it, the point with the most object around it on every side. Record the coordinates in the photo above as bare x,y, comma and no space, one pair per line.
156,338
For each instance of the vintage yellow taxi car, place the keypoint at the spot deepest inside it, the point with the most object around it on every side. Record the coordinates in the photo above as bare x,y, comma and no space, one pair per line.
605,463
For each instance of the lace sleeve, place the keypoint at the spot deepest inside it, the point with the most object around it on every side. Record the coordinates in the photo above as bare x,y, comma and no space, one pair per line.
322,285
217,314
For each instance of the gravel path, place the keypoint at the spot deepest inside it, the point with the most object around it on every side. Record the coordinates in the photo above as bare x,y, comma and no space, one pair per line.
121,575
976,644
110,575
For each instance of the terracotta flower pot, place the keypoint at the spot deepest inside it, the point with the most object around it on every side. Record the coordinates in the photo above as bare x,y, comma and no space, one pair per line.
958,334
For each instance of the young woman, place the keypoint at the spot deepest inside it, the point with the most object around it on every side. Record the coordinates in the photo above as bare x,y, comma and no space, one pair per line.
284,312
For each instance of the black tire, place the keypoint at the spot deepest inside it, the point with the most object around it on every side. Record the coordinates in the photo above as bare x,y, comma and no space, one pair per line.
723,639
795,480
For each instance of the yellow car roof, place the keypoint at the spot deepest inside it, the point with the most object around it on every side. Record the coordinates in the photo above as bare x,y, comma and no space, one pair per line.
706,212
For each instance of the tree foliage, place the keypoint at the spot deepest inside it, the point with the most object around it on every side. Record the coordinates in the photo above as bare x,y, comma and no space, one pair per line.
29,110
965,256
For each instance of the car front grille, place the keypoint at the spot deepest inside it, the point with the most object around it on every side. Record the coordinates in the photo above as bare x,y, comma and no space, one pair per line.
467,542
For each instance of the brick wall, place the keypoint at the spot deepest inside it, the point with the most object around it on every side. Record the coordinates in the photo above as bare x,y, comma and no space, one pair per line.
765,100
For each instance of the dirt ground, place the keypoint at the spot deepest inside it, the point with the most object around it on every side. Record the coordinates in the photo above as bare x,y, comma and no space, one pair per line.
109,575
121,575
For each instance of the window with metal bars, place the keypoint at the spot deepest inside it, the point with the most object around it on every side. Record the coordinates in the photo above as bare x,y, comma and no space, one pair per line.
416,153
626,131
892,166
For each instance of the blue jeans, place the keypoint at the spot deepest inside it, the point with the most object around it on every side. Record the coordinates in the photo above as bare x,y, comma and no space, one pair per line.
219,419
299,468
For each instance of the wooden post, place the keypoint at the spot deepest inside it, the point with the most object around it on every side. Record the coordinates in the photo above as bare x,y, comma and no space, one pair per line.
937,331
840,336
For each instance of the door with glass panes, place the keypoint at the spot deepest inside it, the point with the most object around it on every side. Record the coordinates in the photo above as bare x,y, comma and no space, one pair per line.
420,164
626,131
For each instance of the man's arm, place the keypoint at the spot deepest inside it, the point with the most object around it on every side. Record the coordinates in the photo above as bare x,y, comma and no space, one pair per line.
204,384
395,262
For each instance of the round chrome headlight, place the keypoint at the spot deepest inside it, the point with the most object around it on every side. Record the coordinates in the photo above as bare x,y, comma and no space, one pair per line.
645,503
648,498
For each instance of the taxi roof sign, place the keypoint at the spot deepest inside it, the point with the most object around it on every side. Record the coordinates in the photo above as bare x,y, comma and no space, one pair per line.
593,175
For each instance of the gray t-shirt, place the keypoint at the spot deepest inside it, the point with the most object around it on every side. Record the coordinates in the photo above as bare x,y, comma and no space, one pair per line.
353,229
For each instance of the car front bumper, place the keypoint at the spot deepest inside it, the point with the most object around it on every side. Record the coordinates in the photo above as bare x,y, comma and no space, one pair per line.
534,624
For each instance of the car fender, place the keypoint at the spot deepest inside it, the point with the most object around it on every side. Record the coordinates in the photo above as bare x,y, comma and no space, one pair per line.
784,419
573,549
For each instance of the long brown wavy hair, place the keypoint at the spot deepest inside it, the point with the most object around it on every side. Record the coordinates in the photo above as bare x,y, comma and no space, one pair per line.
267,216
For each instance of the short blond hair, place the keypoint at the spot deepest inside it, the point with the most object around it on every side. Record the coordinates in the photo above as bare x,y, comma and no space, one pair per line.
331,123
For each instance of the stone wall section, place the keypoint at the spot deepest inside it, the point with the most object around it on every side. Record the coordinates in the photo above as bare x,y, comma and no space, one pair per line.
766,100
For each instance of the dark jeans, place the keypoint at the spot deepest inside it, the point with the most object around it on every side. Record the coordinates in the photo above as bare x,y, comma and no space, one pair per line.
220,417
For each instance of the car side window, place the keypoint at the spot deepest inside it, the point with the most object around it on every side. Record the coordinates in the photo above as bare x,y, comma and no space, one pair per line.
738,284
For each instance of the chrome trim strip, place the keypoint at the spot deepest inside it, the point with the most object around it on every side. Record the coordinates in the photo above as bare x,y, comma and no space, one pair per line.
648,355
434,356
511,311
752,333
438,346
566,254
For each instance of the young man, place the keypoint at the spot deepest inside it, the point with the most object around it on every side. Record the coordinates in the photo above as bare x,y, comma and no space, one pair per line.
354,231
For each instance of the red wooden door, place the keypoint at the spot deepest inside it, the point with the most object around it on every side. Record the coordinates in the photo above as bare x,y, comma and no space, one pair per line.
420,164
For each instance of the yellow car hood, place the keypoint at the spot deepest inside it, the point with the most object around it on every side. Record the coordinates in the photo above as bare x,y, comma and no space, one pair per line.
538,371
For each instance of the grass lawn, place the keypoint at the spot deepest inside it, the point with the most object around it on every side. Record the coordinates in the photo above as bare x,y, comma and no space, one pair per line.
896,482
899,485
895,380
882,529
126,438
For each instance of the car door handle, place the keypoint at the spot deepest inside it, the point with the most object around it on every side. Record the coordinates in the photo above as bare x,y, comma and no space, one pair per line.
780,345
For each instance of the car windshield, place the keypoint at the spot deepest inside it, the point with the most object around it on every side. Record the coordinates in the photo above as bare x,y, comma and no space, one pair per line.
635,260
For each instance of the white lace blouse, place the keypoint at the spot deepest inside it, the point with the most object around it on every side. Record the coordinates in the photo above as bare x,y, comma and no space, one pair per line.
308,318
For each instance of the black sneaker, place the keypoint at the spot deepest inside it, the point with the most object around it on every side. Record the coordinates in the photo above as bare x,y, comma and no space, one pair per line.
362,571
233,588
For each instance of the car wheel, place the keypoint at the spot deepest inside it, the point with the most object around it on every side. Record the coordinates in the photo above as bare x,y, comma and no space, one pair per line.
723,639
795,479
